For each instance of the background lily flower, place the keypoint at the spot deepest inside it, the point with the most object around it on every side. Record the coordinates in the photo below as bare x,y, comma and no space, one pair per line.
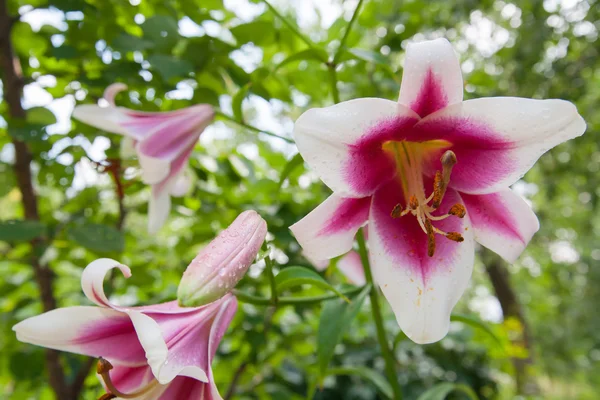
431,175
160,351
163,142
220,265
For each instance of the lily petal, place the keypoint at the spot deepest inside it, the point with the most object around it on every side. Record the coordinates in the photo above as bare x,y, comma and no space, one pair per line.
432,78
421,290
190,389
329,139
503,222
92,279
159,208
328,230
351,266
497,139
130,379
108,119
92,331
170,339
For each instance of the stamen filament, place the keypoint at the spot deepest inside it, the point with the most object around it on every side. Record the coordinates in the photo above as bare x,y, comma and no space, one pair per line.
103,367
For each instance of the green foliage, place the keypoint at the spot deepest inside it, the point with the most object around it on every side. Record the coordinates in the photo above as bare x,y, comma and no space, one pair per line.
260,71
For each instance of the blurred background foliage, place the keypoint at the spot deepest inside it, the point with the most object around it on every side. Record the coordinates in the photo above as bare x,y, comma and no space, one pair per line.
542,312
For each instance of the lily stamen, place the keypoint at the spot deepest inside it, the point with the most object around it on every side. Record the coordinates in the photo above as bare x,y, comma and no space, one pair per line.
103,369
441,179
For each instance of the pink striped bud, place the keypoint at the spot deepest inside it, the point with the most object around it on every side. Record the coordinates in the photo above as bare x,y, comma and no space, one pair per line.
220,265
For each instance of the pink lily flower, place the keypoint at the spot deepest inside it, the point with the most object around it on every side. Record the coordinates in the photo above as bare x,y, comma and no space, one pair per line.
163,142
431,175
350,265
156,352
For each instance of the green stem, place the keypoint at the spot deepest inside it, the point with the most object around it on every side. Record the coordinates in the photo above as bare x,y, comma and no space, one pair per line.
340,49
221,115
333,81
269,268
390,362
291,301
289,25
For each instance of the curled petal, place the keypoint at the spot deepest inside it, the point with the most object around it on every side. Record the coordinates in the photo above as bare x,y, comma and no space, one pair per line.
503,222
432,78
421,290
328,230
496,140
351,266
92,331
220,265
92,279
111,92
342,143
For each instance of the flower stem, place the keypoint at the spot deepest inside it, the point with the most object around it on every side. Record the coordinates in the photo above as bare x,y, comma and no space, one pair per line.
390,362
291,26
333,81
342,46
222,115
291,301
269,268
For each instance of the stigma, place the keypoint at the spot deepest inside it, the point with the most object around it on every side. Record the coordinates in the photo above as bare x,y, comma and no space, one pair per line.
419,206
103,368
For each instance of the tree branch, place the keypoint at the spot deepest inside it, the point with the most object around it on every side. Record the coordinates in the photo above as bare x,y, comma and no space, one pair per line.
12,79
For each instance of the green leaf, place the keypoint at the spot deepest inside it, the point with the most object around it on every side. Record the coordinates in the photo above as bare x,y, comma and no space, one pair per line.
369,56
294,276
336,317
236,102
162,31
308,54
40,116
442,390
292,164
372,376
257,32
98,238
477,324
7,179
21,230
125,42
169,66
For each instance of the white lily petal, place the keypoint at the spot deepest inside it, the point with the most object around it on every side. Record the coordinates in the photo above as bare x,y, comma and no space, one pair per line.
159,208
108,119
328,231
325,136
503,222
432,78
92,279
154,170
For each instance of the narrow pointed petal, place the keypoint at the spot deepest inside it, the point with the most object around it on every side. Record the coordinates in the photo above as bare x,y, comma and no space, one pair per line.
351,266
92,331
108,119
171,340
159,208
503,222
496,140
92,279
342,143
432,78
223,262
328,231
421,290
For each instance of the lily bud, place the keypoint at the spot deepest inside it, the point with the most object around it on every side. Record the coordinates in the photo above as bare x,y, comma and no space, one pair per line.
220,265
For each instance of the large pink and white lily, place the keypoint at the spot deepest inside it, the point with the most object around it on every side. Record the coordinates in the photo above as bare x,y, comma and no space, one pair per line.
431,175
157,352
163,142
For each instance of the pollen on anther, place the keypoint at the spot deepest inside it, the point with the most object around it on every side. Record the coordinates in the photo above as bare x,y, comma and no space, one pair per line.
396,211
430,238
458,210
455,236
413,203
